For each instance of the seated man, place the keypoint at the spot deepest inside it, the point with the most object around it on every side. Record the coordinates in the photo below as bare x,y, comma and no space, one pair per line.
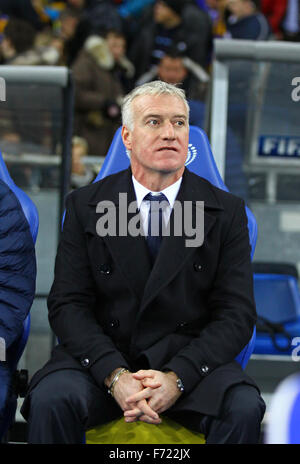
150,326
17,280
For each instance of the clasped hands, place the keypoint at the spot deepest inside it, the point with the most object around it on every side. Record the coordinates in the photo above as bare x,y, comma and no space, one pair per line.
145,394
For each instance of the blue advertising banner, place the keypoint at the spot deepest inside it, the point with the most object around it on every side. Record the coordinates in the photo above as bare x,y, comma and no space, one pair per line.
279,146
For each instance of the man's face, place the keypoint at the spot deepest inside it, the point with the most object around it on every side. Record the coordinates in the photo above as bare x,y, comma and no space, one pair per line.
159,139
172,70
237,7
6,48
76,3
68,27
116,46
162,13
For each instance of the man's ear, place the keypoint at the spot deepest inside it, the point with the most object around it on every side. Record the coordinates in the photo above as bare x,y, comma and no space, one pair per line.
126,136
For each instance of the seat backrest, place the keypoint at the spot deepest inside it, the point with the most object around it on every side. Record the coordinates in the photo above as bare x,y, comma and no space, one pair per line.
277,297
200,160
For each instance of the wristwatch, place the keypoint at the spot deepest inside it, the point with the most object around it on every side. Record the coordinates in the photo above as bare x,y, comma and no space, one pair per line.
180,385
179,382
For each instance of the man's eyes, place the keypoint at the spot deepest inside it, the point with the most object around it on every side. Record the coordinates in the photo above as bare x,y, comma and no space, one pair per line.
156,122
153,122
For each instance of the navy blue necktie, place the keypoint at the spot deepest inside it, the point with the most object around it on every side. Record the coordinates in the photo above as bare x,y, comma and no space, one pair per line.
155,223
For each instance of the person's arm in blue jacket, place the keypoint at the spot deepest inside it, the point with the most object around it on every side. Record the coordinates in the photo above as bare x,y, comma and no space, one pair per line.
17,266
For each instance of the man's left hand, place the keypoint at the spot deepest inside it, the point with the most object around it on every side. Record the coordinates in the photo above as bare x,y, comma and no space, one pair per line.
159,399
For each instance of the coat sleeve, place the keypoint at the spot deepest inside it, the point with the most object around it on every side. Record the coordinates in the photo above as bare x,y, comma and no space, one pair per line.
17,267
231,306
71,303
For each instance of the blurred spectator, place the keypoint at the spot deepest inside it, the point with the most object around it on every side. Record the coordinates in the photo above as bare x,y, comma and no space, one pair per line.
245,21
177,69
132,8
216,9
132,13
81,175
83,18
291,22
174,23
274,11
18,46
203,4
68,22
101,15
28,10
98,94
123,68
70,34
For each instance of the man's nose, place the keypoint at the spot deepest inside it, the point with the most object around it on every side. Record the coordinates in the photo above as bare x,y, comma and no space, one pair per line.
168,130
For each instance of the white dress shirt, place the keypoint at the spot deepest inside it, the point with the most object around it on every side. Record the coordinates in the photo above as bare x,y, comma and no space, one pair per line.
144,205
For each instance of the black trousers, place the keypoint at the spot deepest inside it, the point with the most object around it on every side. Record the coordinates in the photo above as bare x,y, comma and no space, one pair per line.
67,402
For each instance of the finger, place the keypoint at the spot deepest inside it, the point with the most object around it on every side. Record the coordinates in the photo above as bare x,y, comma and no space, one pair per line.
149,420
141,395
143,373
145,409
132,412
151,383
131,419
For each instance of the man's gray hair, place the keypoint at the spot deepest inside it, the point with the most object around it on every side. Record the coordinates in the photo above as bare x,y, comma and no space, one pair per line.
150,88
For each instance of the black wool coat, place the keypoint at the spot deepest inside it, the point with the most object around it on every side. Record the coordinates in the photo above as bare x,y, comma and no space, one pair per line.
192,313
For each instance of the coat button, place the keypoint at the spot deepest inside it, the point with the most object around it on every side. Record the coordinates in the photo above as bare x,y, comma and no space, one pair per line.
105,269
85,362
181,324
204,369
197,267
114,324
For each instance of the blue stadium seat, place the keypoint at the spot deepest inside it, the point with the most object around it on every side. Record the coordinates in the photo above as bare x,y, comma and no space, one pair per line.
278,301
15,351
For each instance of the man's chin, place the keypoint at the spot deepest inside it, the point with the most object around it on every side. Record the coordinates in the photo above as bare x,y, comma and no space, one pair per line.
168,170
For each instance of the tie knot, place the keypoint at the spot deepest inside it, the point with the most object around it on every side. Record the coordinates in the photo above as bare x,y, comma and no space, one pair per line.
158,198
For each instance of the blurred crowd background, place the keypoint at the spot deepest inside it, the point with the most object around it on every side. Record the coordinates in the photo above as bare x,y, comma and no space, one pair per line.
114,45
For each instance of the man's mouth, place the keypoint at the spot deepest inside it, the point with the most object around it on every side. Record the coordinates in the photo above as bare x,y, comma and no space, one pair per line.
167,148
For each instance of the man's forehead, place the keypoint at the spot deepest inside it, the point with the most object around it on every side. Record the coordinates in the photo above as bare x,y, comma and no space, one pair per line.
156,104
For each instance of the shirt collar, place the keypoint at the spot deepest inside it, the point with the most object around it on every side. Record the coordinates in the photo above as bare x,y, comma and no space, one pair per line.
170,192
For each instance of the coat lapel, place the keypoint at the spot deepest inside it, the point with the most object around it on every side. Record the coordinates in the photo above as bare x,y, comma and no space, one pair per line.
128,252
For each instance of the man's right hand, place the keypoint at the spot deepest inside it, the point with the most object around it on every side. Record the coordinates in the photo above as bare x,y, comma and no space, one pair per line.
125,387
